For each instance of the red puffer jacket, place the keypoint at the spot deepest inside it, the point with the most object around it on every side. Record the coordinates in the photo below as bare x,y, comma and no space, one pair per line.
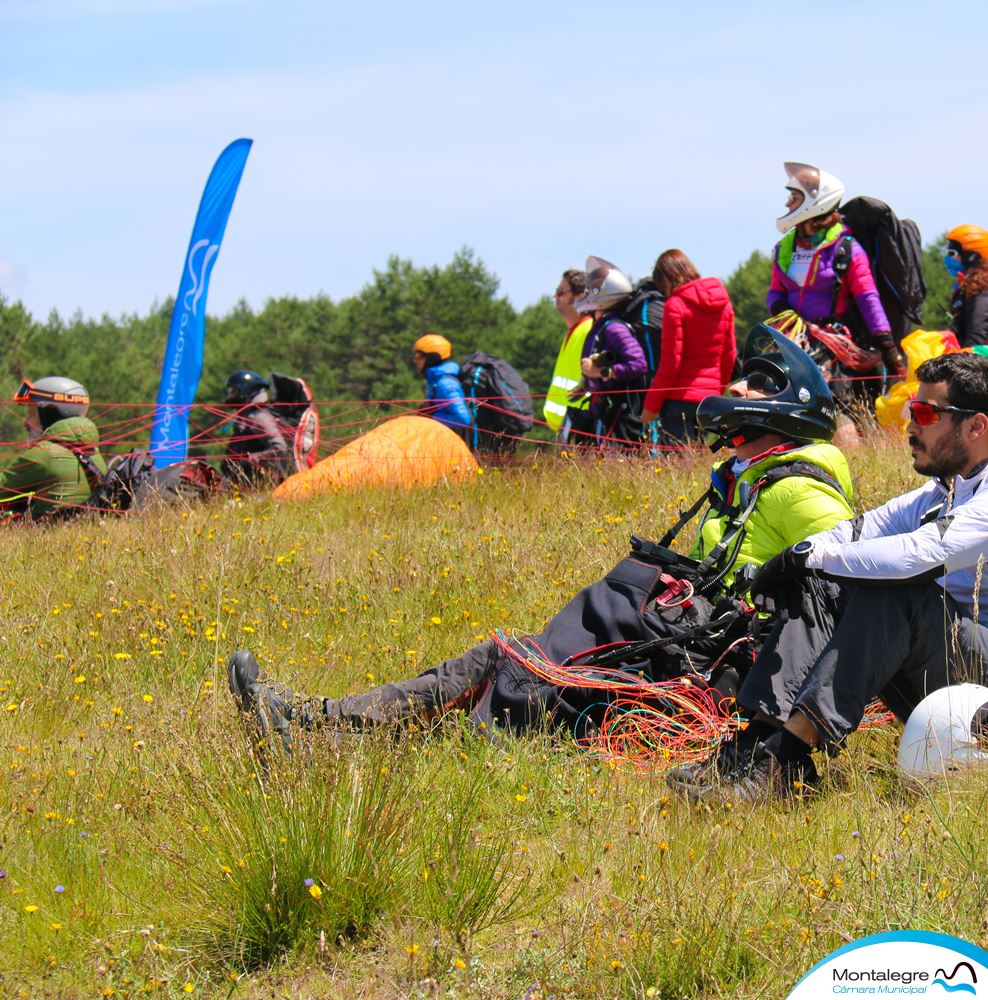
698,348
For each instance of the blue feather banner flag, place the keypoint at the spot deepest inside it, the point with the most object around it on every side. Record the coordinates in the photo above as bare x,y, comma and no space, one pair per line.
182,366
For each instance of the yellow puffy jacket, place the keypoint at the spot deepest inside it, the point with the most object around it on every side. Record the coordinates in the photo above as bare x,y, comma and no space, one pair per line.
786,510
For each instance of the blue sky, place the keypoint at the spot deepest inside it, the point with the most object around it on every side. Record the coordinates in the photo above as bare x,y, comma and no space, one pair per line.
535,133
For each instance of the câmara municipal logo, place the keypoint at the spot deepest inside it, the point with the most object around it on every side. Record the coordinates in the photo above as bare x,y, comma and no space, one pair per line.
899,963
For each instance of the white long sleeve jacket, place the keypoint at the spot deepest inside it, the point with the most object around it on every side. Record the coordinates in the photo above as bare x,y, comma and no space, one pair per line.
935,527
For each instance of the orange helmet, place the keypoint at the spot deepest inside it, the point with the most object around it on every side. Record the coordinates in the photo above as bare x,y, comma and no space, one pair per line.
436,344
972,239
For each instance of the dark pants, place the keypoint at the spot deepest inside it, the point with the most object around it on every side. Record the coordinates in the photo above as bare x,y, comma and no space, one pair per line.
899,642
678,419
579,427
497,689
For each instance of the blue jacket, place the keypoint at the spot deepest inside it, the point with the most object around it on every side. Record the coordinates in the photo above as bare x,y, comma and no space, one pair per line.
445,395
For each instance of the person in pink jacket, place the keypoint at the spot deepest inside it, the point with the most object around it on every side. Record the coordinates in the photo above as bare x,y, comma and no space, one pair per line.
698,346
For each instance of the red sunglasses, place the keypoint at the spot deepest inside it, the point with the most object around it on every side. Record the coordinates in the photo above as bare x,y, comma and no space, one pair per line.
927,414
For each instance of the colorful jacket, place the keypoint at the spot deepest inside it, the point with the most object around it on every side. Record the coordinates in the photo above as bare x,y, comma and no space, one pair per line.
566,375
698,346
47,476
814,301
893,543
447,403
628,365
786,511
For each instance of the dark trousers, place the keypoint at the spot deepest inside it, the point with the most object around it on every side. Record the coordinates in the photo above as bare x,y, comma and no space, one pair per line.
678,419
899,642
498,690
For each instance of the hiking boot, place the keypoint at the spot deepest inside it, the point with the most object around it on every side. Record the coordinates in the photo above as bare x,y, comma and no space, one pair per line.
712,771
749,774
768,777
273,706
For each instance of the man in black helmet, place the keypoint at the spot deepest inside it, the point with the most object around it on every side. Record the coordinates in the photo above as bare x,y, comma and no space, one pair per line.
258,453
783,482
61,464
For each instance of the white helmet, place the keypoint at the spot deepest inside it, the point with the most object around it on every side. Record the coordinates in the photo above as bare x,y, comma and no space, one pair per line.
942,732
607,285
821,193
56,396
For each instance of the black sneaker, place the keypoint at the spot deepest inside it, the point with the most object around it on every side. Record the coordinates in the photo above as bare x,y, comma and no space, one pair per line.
273,706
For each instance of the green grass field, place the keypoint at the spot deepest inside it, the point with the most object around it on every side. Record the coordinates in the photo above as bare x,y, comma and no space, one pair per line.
145,849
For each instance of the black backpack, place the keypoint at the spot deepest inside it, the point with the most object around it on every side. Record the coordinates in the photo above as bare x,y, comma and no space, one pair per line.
500,404
895,251
132,482
642,312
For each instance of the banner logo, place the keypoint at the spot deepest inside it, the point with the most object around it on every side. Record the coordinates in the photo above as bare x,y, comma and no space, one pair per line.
899,963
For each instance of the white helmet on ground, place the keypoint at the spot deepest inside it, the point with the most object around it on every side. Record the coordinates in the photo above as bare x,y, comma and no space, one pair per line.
942,733
821,193
607,285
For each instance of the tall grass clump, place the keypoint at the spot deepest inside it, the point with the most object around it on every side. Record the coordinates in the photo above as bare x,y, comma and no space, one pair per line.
294,846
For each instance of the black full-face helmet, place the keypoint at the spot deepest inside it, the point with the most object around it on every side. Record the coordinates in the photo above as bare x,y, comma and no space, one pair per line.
243,385
797,403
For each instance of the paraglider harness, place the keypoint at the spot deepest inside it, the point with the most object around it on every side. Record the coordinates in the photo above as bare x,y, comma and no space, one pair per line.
685,577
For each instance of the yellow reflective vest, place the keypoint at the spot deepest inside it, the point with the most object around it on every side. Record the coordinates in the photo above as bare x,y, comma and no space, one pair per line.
566,375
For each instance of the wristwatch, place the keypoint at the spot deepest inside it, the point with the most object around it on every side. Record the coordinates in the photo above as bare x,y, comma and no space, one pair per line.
605,373
800,552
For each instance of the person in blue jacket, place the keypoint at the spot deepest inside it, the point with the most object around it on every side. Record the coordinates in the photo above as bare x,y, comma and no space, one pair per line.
433,358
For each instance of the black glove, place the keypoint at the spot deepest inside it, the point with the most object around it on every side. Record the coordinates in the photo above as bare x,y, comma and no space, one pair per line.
776,587
893,359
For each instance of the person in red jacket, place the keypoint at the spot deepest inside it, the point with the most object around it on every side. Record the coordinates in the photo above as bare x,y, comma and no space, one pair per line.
698,346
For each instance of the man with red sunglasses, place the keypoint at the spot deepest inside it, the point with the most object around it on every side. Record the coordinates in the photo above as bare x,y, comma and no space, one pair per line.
884,604
61,465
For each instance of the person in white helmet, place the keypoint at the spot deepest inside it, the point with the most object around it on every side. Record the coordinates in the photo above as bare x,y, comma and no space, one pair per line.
61,465
822,273
613,362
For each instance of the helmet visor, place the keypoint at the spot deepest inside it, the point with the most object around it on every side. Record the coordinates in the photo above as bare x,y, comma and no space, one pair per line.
807,177
23,394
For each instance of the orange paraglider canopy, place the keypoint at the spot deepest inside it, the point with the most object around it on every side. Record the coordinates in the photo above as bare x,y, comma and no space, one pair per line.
406,451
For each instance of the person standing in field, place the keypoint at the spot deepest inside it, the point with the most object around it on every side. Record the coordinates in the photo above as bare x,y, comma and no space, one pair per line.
966,260
698,346
432,357
562,414
613,362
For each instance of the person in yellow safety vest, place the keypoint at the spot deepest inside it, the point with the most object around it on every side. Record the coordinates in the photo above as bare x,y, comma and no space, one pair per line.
561,414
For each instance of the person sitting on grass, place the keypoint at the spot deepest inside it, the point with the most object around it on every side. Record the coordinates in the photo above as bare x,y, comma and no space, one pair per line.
62,464
783,483
886,603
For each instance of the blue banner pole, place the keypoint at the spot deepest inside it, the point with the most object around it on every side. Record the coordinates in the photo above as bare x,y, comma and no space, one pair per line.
182,365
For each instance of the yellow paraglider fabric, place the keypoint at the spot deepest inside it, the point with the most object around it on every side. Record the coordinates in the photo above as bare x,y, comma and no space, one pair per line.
406,451
919,346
